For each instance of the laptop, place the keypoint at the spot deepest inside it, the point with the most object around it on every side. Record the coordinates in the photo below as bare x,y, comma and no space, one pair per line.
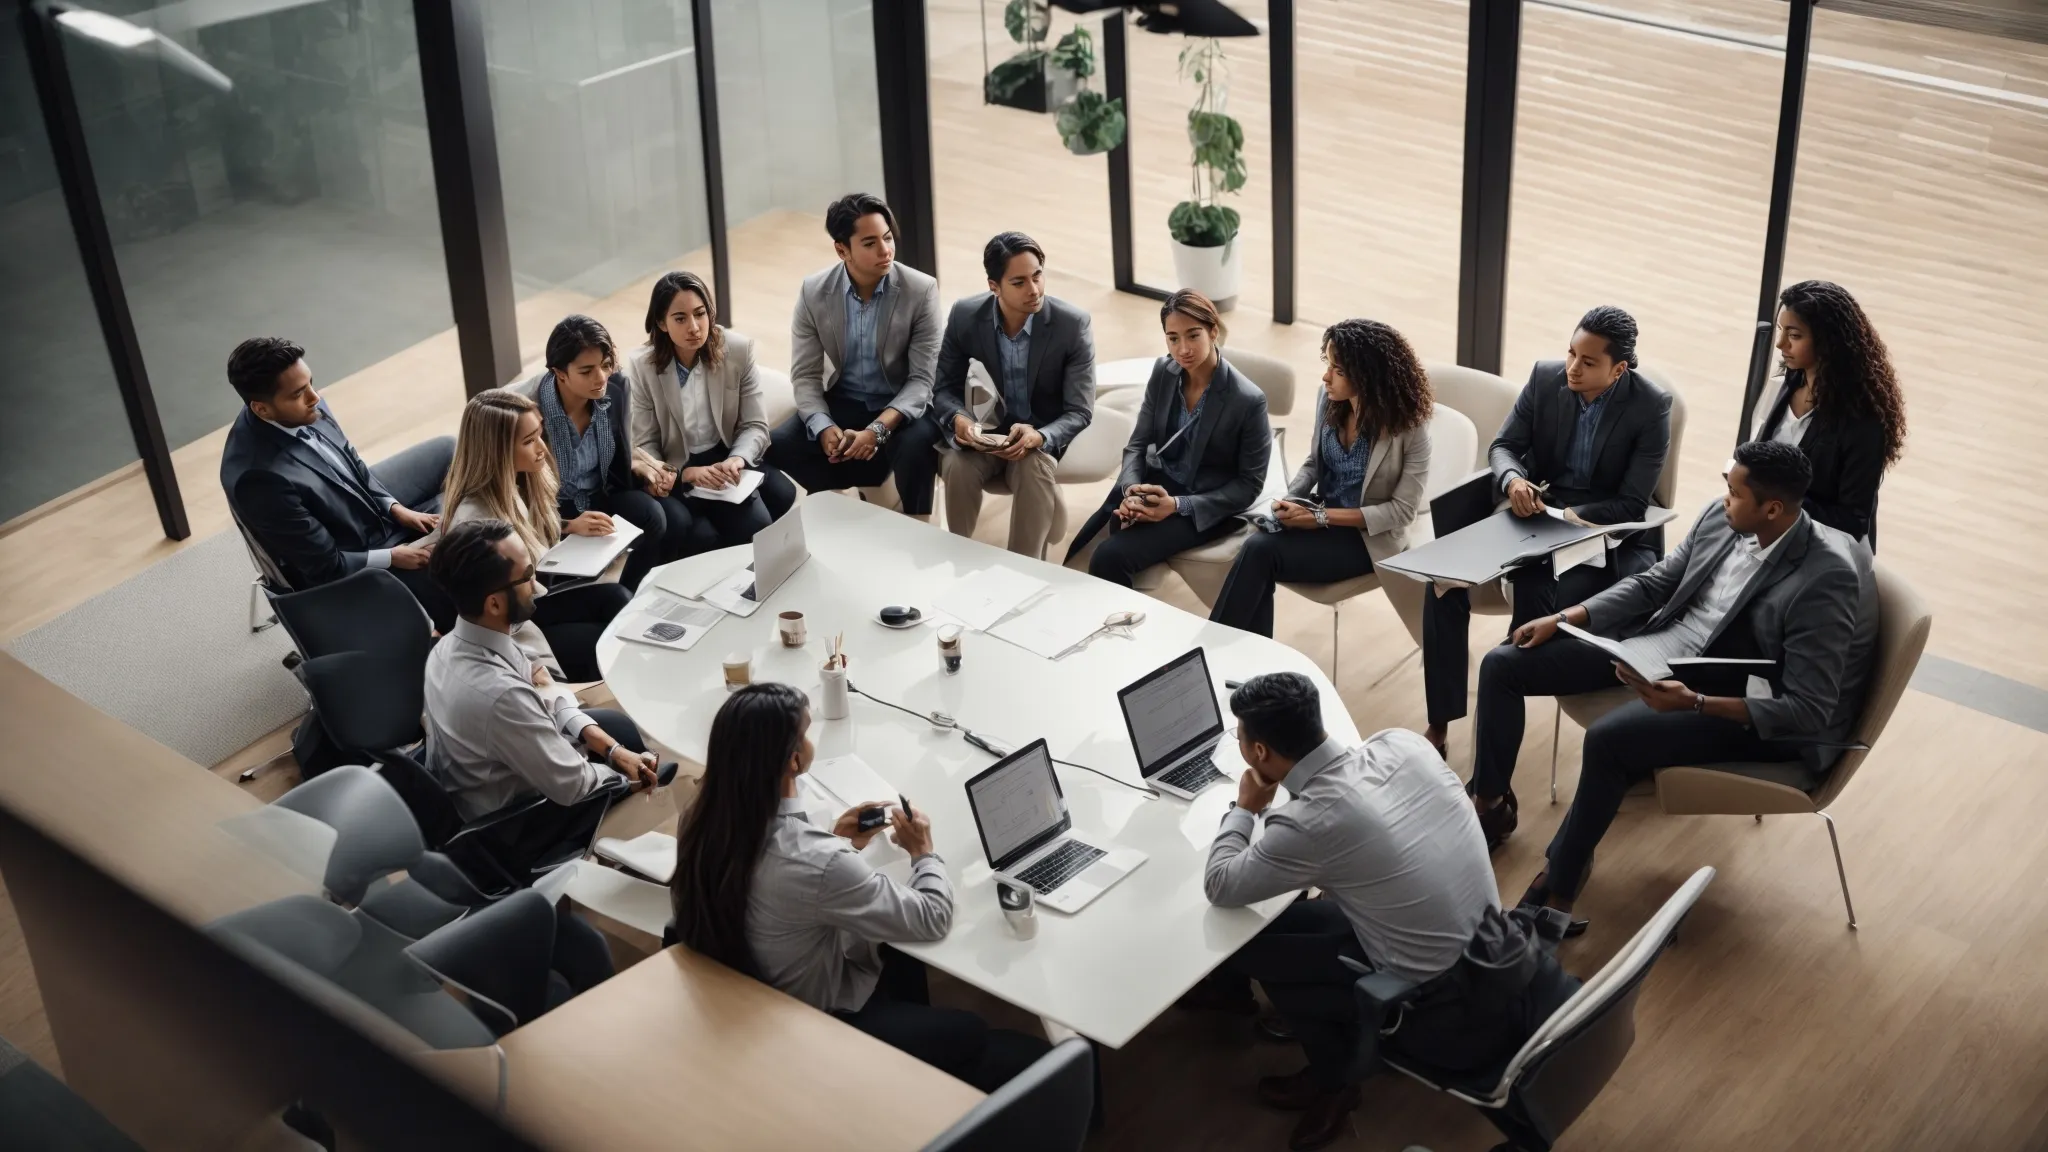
1177,729
1028,834
778,552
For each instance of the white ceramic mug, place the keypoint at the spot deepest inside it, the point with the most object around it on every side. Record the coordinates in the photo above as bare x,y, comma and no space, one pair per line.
790,626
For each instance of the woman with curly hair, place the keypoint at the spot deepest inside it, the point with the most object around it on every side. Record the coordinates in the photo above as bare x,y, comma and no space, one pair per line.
1359,489
1839,403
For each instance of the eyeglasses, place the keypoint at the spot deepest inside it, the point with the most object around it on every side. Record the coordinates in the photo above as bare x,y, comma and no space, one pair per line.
524,578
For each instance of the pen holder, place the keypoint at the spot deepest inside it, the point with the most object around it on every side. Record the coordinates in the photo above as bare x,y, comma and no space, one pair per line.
833,699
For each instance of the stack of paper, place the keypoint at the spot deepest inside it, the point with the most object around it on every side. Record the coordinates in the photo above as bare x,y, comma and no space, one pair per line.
1051,625
666,622
733,493
589,555
851,781
651,854
979,599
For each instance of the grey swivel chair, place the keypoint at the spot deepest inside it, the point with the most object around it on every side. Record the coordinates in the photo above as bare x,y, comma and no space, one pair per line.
1045,1108
1562,1067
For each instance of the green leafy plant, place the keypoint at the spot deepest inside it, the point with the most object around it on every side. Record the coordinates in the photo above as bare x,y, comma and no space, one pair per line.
1090,123
1027,21
1008,78
1216,159
1076,53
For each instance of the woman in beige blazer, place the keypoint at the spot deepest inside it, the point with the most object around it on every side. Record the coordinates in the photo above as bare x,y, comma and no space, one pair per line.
1350,505
697,408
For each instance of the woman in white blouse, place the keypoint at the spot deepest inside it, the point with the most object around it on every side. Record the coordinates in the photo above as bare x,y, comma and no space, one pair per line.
697,406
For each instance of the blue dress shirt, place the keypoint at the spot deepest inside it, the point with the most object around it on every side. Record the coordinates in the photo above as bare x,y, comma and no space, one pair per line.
1578,463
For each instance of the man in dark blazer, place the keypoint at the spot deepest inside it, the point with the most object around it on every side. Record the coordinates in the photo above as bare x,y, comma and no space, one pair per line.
1039,353
857,423
1756,578
1587,435
297,485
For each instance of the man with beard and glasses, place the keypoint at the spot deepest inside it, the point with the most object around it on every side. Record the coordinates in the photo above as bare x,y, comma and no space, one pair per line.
498,728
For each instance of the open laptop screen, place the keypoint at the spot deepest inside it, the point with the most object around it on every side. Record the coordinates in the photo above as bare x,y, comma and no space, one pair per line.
1170,710
1017,804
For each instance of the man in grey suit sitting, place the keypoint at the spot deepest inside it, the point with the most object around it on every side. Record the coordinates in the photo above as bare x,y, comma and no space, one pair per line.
1039,352
878,323
1756,578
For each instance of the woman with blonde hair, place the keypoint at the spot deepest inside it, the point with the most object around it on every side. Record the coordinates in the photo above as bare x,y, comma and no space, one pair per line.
1197,455
503,470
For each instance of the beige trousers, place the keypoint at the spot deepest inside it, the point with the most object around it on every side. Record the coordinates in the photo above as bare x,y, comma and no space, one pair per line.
968,474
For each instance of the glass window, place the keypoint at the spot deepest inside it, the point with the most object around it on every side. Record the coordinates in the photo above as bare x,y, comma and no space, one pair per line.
595,107
65,425
299,204
1644,142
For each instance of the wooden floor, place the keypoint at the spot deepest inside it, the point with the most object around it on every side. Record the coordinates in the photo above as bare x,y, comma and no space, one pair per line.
1641,179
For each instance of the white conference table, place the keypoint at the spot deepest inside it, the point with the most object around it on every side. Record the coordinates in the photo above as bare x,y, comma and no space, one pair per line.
1112,968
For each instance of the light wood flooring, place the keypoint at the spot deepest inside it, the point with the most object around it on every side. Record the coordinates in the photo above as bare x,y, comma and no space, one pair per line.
1642,175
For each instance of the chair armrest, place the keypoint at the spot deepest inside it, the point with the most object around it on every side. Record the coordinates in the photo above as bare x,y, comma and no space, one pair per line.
444,878
1379,996
509,812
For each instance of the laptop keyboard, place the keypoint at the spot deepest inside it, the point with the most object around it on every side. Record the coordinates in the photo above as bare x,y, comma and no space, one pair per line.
1194,775
1060,865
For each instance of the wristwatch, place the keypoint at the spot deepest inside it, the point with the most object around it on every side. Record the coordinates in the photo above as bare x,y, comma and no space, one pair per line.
1699,703
1322,517
881,432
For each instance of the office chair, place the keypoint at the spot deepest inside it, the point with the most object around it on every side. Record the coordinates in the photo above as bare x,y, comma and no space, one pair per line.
1904,620
1561,1068
269,577
371,704
1045,1108
498,956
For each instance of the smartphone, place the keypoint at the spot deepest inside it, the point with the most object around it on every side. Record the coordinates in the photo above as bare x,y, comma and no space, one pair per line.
873,817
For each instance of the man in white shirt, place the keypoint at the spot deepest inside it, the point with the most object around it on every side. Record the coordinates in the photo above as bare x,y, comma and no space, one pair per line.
1757,579
498,728
1385,831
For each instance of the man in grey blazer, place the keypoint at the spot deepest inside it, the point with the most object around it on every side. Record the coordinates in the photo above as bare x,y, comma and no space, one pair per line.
878,324
1039,352
1756,578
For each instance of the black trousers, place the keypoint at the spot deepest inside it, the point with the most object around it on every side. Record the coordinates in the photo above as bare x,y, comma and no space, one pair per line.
572,619
541,835
723,525
1621,748
1447,619
1129,550
581,959
414,479
671,530
1269,559
910,455
900,1014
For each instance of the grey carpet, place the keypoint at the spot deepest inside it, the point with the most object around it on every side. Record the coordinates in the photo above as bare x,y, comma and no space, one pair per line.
169,653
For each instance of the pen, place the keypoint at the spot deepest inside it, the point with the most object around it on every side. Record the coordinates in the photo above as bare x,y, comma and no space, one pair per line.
905,801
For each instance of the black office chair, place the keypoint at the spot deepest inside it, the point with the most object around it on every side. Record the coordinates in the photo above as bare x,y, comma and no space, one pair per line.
371,704
366,611
1557,1073
1044,1108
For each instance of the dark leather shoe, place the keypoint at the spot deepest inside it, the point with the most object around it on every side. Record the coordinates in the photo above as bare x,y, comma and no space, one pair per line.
1294,1093
1210,996
1499,822
1538,896
1327,1119
1274,1027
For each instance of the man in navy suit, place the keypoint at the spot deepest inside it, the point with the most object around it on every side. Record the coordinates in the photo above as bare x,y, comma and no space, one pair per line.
298,486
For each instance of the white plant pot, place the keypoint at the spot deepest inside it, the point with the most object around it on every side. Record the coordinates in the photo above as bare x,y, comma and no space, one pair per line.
1214,272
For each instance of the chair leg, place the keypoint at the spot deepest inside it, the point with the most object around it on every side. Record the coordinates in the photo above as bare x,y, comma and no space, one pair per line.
1556,729
1840,872
1396,666
1336,614
259,616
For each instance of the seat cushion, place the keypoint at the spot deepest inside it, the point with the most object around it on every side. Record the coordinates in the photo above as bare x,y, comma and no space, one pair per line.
1338,592
1586,707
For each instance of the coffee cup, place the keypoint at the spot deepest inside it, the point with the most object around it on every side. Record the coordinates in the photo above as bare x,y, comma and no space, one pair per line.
790,626
949,648
739,671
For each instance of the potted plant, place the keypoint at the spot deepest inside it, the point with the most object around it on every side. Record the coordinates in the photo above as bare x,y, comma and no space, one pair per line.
1088,121
1027,80
1205,250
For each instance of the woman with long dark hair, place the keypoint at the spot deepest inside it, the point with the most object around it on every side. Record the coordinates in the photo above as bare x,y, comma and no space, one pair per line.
761,890
1196,457
1839,402
698,409
1359,489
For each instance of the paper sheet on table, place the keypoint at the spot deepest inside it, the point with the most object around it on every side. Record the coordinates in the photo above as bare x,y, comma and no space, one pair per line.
1050,625
979,599
733,494
666,622
588,555
726,594
651,854
851,781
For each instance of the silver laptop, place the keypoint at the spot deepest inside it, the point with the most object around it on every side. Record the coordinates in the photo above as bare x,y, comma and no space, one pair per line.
1177,729
1028,833
778,552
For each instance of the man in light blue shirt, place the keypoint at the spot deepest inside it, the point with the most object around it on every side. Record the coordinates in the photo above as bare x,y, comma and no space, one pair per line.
876,323
1038,354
